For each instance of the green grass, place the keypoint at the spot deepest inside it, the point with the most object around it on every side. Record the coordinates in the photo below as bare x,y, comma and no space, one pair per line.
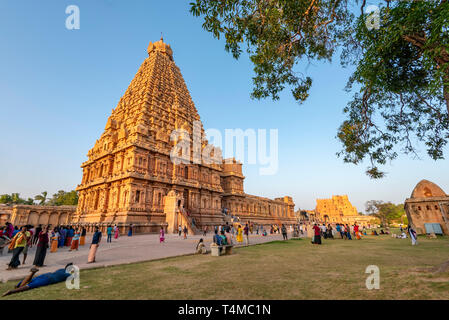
277,270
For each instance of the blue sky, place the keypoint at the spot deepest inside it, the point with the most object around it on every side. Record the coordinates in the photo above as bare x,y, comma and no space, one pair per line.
58,88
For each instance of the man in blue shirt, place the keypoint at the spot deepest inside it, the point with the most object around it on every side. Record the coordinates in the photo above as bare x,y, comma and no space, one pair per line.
45,279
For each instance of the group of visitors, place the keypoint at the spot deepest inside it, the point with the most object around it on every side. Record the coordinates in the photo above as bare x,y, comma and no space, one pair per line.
182,230
349,232
20,239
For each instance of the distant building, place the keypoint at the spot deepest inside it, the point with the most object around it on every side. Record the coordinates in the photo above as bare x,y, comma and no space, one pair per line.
428,204
339,209
20,214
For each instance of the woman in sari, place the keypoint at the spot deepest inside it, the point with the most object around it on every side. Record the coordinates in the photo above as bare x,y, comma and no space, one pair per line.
42,246
75,240
54,240
116,232
94,246
162,235
239,234
130,231
83,236
62,235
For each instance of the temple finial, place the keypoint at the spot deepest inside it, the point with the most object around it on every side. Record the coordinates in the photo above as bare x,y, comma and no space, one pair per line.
162,38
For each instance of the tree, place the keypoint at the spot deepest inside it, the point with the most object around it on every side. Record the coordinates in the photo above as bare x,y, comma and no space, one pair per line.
5,199
401,81
385,211
14,198
41,198
62,198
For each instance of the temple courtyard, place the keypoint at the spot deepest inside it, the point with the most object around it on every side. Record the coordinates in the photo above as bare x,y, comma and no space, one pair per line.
277,269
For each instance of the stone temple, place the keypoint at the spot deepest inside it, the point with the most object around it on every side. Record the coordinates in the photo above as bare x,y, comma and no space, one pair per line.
428,203
129,177
339,209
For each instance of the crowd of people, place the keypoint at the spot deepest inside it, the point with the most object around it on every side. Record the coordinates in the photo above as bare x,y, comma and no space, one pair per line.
20,239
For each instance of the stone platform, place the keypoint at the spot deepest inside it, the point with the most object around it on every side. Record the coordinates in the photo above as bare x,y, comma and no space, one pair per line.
124,250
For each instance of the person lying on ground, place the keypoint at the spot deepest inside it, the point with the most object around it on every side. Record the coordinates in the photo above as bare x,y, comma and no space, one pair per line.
45,279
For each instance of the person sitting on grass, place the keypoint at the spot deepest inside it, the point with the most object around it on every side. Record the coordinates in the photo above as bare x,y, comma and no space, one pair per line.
45,279
200,247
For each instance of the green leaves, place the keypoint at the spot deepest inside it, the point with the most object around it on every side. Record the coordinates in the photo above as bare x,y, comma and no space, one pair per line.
385,211
401,81
61,198
399,71
277,35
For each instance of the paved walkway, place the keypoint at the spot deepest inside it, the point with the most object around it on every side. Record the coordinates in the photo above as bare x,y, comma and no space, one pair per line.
124,250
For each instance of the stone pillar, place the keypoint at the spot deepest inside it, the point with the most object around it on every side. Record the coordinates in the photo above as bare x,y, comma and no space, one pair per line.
171,211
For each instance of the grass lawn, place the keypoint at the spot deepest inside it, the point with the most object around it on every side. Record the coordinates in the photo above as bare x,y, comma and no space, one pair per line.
294,269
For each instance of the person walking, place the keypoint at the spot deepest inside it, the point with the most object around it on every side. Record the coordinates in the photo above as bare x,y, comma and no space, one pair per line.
162,235
96,239
17,245
239,234
204,231
185,232
317,234
116,232
109,233
179,230
246,233
130,231
41,249
284,232
412,234
28,244
36,234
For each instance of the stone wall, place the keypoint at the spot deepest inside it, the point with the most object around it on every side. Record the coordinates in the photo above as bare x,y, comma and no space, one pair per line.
34,215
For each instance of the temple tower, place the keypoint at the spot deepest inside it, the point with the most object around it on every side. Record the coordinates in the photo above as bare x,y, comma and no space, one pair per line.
129,172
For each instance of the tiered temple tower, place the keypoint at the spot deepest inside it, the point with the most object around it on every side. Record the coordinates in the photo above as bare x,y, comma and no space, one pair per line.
129,177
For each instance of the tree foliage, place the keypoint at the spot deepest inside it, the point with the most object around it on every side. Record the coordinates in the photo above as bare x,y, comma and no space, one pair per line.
61,198
41,198
385,211
401,80
14,198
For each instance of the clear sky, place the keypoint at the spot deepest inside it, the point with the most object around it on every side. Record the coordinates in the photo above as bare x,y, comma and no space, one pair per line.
58,88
